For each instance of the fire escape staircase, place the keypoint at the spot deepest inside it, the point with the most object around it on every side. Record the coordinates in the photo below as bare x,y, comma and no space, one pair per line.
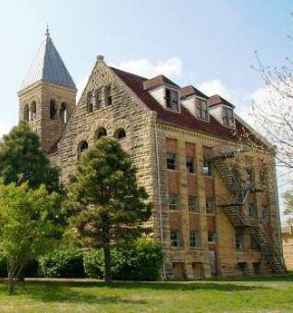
238,219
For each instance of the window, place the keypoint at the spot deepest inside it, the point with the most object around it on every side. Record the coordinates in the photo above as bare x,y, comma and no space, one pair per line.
228,118
82,147
63,113
108,95
101,132
190,164
207,168
192,203
33,111
53,110
194,238
175,238
172,99
211,236
202,109
26,113
253,243
263,177
265,211
173,202
252,210
239,240
120,133
98,99
90,105
210,208
171,161
242,267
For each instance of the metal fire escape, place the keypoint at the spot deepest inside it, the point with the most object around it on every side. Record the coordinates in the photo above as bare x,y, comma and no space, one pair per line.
234,206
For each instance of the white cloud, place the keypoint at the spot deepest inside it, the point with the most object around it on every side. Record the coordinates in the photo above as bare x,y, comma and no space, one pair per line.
144,67
216,87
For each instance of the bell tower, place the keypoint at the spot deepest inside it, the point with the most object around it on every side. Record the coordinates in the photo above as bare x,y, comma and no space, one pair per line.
47,97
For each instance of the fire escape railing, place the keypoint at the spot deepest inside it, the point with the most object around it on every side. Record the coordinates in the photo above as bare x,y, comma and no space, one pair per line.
233,205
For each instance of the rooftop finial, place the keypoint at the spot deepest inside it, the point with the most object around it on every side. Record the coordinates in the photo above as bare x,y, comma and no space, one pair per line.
47,30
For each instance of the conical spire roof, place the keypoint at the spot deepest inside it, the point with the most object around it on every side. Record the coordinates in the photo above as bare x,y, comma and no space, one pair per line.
48,66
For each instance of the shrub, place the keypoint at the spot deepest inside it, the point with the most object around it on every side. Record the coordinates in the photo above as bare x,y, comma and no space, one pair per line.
93,263
65,262
141,262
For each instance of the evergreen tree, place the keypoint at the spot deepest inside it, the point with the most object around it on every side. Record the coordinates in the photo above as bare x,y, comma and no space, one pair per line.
108,206
22,159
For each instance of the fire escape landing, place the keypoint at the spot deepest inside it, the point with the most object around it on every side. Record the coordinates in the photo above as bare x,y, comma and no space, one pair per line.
233,205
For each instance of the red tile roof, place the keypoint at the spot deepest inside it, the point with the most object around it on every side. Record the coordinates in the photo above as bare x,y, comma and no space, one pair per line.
216,99
184,119
158,81
191,91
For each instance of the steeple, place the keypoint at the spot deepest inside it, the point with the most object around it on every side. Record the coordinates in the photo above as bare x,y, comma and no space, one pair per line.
48,66
48,95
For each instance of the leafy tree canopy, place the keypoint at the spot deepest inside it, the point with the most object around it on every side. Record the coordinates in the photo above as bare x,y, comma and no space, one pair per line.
26,227
22,159
107,204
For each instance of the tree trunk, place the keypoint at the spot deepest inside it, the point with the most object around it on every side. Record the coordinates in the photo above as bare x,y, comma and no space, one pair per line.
10,282
108,271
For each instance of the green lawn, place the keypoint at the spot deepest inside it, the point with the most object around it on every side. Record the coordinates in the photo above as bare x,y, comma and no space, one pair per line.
263,294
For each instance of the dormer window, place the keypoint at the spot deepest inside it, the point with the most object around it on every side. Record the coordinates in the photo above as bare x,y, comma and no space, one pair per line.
172,99
228,117
202,109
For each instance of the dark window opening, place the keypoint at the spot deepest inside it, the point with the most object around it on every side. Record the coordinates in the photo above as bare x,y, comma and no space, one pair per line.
172,99
108,95
175,238
63,113
98,99
194,238
33,111
101,132
53,110
210,207
26,113
90,105
190,164
83,146
173,201
211,236
120,133
171,161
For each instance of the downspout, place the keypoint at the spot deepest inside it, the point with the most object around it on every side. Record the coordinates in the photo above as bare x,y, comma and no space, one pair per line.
159,197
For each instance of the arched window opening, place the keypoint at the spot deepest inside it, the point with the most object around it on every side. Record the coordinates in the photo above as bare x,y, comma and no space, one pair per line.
26,113
63,113
120,133
53,110
82,147
90,104
101,132
33,111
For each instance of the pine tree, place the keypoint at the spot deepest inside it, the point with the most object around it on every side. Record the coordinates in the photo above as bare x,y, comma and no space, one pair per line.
22,159
107,204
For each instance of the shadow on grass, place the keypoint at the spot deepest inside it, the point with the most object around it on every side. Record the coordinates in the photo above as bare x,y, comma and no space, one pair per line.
64,292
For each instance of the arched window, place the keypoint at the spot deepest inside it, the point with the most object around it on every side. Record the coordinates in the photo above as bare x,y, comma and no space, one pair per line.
82,147
53,109
63,113
33,111
120,133
101,132
26,113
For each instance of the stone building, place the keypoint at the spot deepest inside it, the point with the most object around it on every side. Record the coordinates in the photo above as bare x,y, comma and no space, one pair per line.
210,176
287,239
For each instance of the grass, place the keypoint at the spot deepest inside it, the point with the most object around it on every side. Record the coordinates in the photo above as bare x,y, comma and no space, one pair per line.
270,294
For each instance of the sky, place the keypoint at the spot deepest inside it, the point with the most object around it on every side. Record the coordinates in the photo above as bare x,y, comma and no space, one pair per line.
210,44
